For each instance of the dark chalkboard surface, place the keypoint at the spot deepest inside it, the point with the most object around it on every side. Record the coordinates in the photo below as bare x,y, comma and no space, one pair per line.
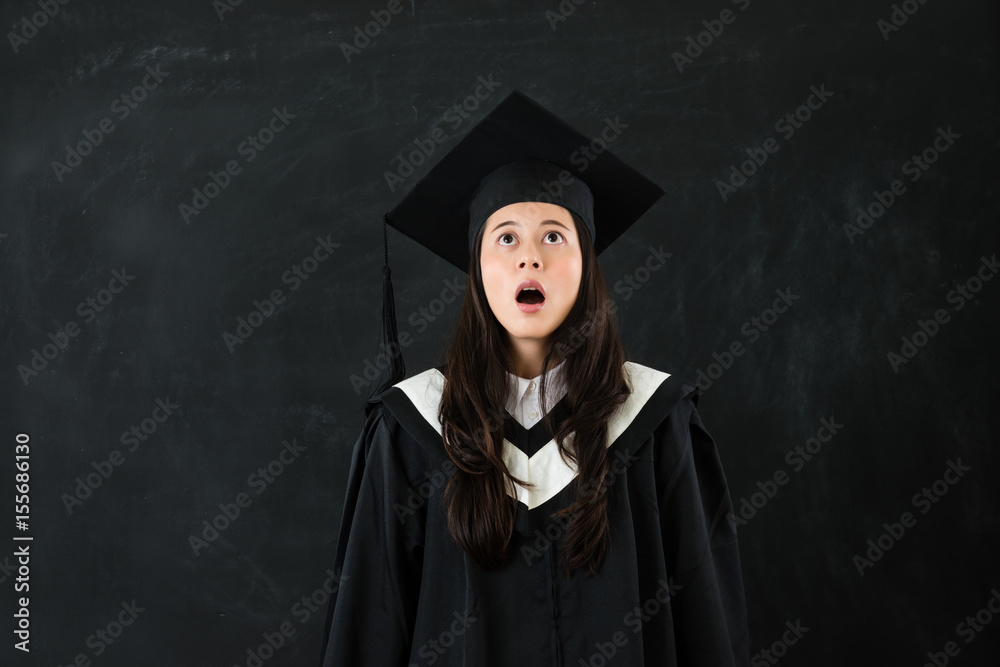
190,260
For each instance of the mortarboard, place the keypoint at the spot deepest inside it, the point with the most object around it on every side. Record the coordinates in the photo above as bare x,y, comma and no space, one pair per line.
518,152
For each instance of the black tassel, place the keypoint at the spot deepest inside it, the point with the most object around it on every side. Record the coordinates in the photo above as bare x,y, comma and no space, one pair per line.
388,333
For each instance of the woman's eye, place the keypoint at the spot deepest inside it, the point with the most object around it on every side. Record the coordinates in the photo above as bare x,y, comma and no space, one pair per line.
558,237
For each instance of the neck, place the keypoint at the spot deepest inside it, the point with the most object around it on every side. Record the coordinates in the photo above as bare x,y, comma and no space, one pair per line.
528,356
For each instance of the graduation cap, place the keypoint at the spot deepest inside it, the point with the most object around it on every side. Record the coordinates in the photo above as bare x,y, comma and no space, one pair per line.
519,152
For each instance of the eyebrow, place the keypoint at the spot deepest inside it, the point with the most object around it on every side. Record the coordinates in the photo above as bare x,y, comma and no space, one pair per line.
518,224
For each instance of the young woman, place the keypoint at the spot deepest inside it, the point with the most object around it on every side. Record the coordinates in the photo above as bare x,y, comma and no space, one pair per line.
537,499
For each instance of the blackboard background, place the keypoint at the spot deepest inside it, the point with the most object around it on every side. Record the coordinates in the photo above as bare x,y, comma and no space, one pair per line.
323,176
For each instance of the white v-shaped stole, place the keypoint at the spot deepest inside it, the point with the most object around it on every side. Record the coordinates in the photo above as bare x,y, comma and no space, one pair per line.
546,470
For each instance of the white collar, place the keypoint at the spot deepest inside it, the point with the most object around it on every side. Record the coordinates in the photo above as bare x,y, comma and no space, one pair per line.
546,469
556,387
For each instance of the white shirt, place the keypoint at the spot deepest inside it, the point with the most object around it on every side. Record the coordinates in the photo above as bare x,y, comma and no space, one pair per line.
524,403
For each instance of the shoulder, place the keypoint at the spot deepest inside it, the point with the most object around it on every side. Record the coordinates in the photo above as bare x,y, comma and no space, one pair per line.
410,409
643,379
416,400
424,389
654,397
398,424
423,392
646,383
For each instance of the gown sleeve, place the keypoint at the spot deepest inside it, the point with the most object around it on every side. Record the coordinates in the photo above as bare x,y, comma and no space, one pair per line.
372,608
709,608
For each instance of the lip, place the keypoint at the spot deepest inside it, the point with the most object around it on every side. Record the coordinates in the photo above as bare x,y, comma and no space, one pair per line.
529,307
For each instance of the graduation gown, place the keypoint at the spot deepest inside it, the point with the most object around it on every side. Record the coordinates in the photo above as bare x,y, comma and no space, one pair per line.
669,592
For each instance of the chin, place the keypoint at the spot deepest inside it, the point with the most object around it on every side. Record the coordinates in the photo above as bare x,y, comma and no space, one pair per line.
534,332
535,329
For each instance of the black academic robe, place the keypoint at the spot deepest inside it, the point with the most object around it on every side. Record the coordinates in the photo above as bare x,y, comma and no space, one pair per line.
669,592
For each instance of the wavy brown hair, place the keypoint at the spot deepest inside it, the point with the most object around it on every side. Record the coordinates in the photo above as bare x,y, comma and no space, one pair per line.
481,514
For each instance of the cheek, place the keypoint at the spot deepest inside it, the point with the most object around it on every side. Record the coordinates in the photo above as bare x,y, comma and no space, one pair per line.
490,278
573,275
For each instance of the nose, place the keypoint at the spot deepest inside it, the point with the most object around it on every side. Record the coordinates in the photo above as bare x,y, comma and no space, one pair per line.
530,257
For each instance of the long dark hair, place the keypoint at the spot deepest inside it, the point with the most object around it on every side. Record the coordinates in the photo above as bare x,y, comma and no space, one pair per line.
480,513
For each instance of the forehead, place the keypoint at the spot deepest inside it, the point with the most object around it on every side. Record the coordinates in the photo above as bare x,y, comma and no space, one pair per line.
530,213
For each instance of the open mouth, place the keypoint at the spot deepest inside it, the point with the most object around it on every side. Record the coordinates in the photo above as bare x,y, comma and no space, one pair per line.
530,295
